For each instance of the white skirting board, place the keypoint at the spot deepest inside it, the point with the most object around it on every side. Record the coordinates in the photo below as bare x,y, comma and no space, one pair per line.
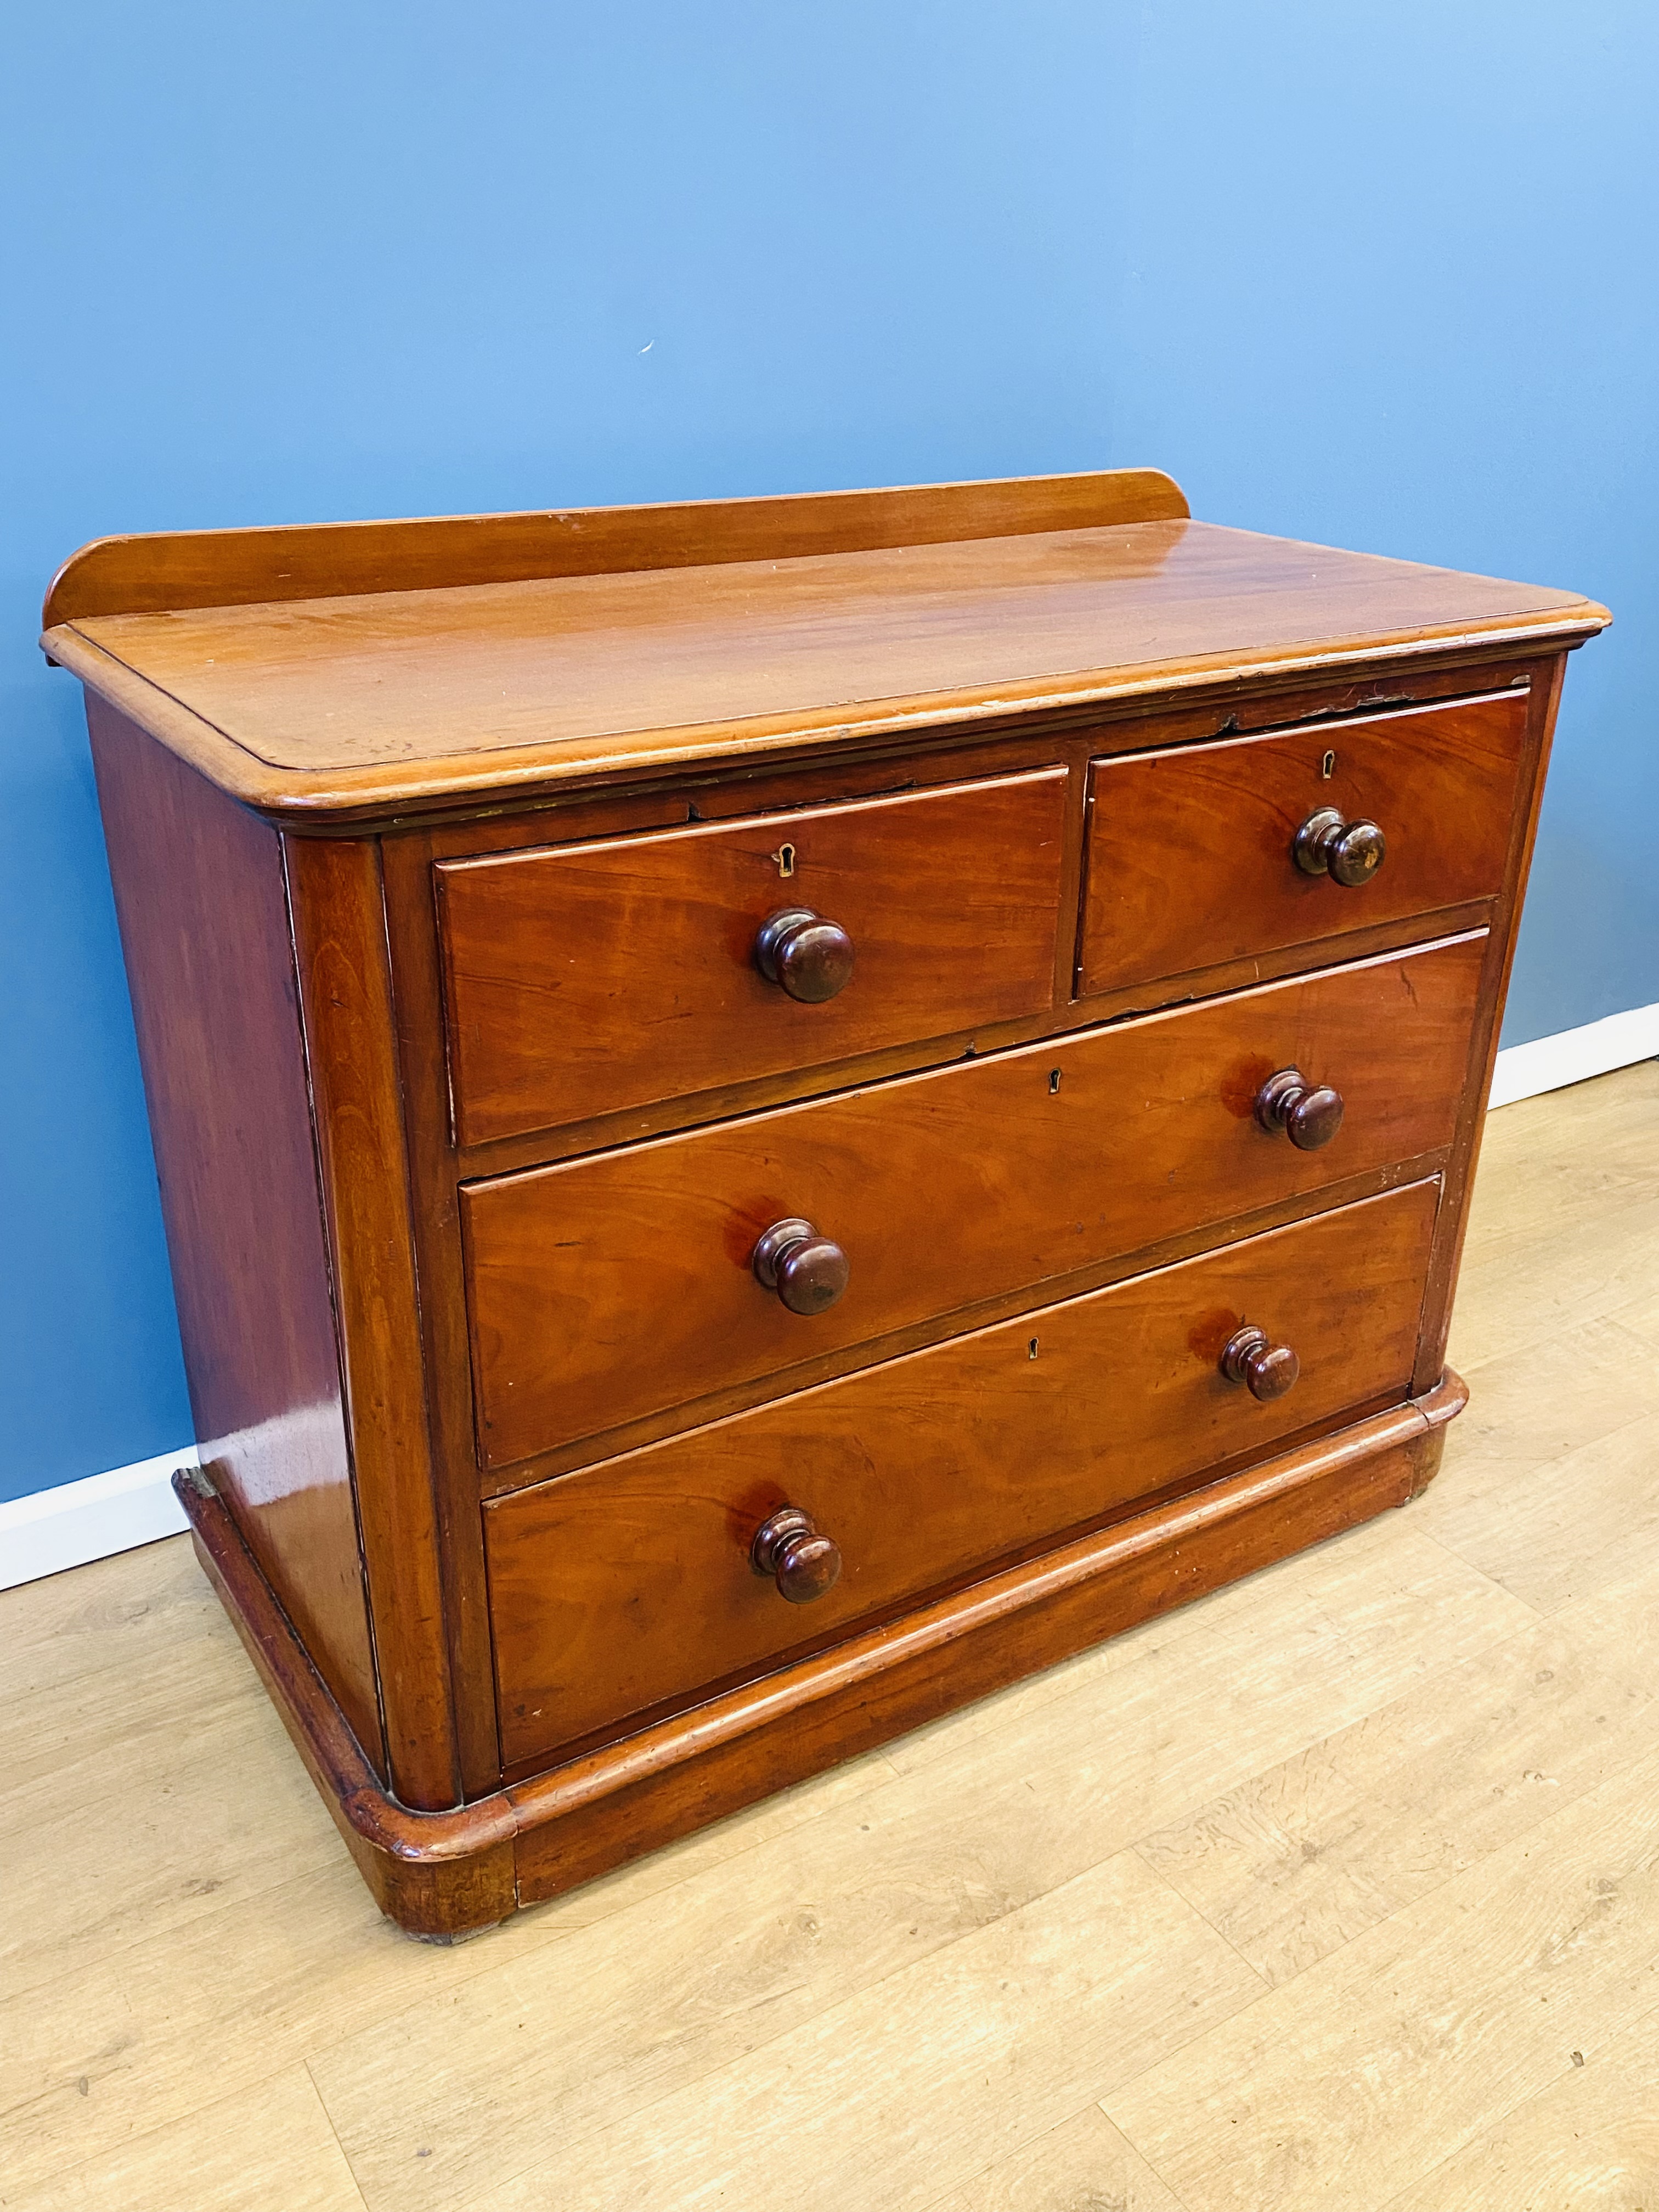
1552,1062
77,1521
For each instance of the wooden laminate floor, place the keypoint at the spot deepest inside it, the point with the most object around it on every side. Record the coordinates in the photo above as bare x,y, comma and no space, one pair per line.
1339,1889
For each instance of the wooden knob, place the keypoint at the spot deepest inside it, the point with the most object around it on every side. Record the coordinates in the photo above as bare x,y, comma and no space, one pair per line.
802,1561
811,957
1349,852
1269,1368
1309,1115
808,1272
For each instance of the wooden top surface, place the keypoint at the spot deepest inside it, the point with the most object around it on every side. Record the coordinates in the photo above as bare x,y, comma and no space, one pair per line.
370,702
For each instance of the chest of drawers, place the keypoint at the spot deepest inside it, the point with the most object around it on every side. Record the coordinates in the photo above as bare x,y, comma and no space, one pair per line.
773,1113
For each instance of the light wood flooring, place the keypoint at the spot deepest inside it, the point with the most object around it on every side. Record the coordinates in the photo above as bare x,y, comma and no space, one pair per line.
1338,1890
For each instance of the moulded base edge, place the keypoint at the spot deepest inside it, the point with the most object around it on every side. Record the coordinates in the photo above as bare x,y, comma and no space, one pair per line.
443,1875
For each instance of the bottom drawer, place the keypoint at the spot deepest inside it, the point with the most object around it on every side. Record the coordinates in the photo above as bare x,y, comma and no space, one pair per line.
629,1586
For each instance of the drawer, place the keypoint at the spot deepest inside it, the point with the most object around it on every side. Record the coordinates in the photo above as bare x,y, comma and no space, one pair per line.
625,1589
581,980
1190,850
622,1284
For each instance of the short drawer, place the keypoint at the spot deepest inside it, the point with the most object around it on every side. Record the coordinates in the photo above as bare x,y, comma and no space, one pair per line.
582,980
629,1586
624,1285
1191,851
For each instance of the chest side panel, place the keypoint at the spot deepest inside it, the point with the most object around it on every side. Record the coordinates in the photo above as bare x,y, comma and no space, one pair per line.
203,915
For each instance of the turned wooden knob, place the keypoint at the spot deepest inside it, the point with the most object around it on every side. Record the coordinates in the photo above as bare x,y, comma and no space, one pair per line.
1309,1114
1348,852
811,957
1269,1368
808,1272
801,1561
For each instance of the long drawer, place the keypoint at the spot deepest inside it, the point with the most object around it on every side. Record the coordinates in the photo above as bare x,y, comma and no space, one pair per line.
631,1585
581,980
1192,851
607,1289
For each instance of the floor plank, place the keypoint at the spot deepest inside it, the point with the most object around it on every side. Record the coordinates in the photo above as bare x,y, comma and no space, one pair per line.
282,1972
1082,2166
1302,1859
1556,1535
919,2083
1564,1216
271,2146
1590,2142
121,1816
1348,2085
110,1613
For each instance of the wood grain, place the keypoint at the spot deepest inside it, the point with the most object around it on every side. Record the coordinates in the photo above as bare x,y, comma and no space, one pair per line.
617,1589
1310,1854
1557,1533
200,895
1083,2166
1590,2140
1189,858
1574,1243
1341,2085
1129,1973
587,979
622,1285
417,993
398,699
63,1627
201,2163
176,569
339,944
130,1744
439,1874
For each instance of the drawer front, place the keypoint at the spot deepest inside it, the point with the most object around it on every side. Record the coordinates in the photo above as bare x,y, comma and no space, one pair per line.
1190,859
585,979
622,1284
630,1586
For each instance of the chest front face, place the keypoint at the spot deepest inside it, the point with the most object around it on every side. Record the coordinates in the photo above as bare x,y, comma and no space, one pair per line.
1106,1073
814,1223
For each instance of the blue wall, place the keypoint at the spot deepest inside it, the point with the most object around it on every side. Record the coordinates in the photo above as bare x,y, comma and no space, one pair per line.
1381,275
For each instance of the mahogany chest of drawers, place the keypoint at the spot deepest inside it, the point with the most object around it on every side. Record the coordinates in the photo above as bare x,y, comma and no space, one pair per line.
772,1113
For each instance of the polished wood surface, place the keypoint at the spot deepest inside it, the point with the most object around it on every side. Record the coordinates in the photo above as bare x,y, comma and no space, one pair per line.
831,830
587,977
605,1288
803,1563
626,1587
1192,850
395,700
805,953
1269,1370
200,895
808,1272
339,939
1328,844
173,570
1407,1775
